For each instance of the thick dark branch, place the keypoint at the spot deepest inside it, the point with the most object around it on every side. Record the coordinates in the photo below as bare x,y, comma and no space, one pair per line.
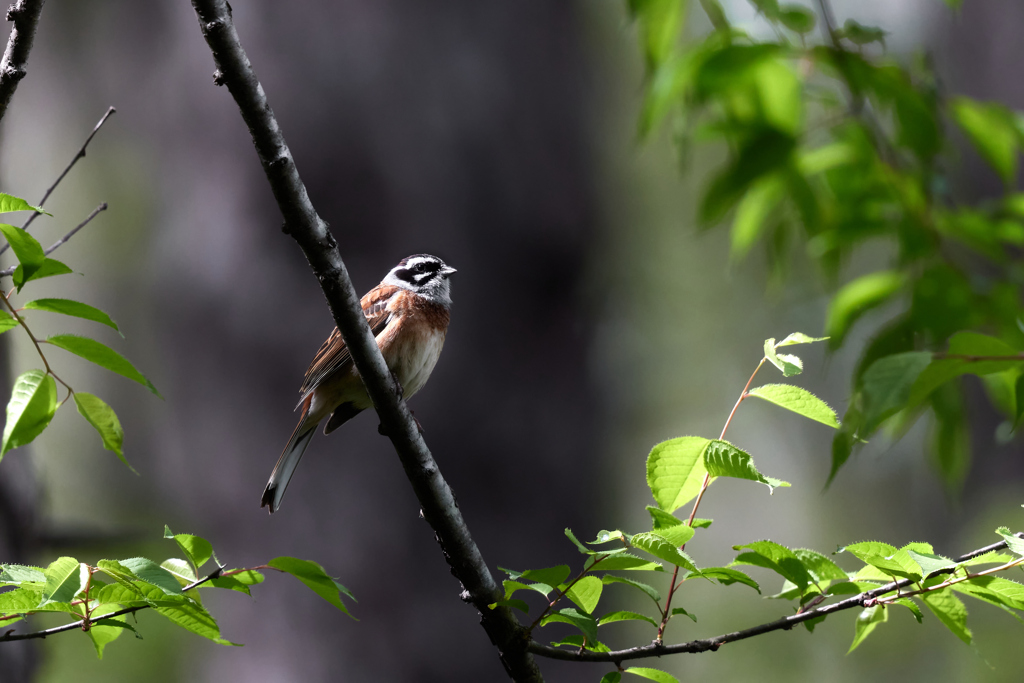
657,649
53,247
80,154
10,635
310,231
25,15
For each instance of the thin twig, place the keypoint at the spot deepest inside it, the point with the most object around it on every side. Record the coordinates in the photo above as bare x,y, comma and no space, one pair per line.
657,649
321,250
53,247
35,342
84,623
80,154
25,15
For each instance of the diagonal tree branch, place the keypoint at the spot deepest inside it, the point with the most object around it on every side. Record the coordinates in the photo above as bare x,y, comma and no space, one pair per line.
321,250
657,649
25,15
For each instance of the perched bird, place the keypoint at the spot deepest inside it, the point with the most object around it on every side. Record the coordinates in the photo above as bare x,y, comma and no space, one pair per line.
408,314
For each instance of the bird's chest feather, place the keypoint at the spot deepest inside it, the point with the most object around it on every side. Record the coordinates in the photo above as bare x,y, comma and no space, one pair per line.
415,344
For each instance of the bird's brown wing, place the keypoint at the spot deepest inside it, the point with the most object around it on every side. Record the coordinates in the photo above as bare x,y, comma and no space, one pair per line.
333,355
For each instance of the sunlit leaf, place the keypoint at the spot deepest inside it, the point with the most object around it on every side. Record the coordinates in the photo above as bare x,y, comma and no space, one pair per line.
104,420
722,459
675,471
621,615
777,558
26,248
950,611
586,593
867,620
65,577
314,576
799,400
9,202
72,308
197,550
32,405
101,355
656,675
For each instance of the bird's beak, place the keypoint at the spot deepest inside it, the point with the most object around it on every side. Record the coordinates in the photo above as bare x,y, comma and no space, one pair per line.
448,270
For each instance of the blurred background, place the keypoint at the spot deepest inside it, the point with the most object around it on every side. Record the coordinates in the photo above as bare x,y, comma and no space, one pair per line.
591,320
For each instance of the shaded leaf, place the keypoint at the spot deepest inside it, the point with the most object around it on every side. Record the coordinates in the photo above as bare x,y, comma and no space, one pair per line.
584,622
991,130
104,420
314,576
722,459
612,617
650,591
29,252
866,622
888,383
149,571
728,576
778,558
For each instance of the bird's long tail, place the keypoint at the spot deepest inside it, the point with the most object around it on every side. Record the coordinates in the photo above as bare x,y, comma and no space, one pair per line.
288,461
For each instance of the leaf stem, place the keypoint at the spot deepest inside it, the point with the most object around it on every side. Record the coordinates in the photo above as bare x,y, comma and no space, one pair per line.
35,342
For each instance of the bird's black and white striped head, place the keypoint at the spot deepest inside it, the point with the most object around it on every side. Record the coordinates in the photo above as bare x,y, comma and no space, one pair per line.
424,274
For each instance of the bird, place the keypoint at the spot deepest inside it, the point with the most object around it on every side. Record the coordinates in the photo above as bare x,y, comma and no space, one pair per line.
408,313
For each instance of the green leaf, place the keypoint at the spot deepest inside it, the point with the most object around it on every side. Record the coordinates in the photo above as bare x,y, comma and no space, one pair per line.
612,617
104,631
789,365
579,546
676,611
912,606
552,576
123,575
866,622
799,400
314,576
586,593
9,202
650,591
49,268
621,562
970,344
101,355
152,573
752,213
584,622
767,150
578,641
663,550
676,535
32,405
611,677
858,34
7,322
994,589
73,308
797,18
181,569
887,385
858,297
656,675
512,602
930,562
104,420
511,587
675,471
17,574
237,582
821,568
193,617
799,338
950,611
990,128
660,25
29,252
777,558
65,577
728,576
722,459
661,519
197,550
1014,543
885,557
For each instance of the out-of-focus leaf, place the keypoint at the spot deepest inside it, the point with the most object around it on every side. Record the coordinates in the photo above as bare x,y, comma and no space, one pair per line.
990,129
859,34
32,405
799,400
675,471
752,213
858,297
765,152
888,383
7,322
797,18
977,355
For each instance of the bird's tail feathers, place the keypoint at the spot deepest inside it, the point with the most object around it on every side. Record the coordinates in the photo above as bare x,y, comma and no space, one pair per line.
288,461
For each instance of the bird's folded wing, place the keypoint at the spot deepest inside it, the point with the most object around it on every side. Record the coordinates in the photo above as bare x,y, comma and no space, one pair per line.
334,355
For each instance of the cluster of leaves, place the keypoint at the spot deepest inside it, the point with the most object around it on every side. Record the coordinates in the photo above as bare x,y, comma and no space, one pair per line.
679,471
834,145
34,399
101,597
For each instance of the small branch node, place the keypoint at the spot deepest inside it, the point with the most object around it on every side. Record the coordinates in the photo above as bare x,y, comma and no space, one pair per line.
218,77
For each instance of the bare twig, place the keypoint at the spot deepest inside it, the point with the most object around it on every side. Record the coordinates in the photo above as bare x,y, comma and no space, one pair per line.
658,649
84,623
320,248
25,15
53,247
80,154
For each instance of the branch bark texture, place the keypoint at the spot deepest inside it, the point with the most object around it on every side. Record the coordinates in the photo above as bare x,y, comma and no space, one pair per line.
309,230
25,15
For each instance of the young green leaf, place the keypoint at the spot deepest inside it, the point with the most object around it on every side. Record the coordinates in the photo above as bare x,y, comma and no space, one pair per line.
18,574
72,308
856,298
584,622
237,582
621,562
552,576
513,602
728,576
820,567
929,562
722,459
621,615
101,355
611,677
586,593
29,252
49,268
777,558
676,535
675,471
663,550
314,576
9,202
7,322
1014,543
859,34
193,617
65,577
576,640
197,550
912,606
797,18
104,420
656,675
32,405
676,611
994,589
579,546
799,400
799,338
153,574
866,622
950,611
789,364
650,591
181,569
104,631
